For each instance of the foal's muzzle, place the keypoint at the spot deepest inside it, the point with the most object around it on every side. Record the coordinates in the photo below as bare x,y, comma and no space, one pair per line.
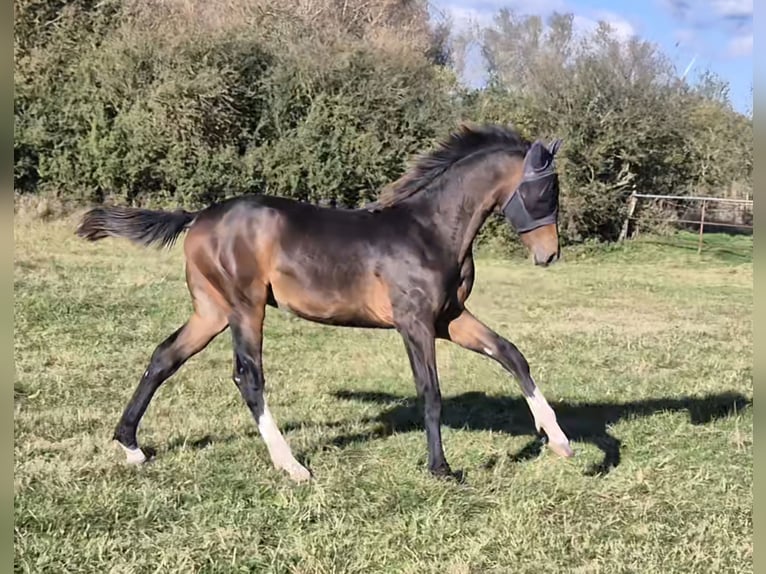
550,260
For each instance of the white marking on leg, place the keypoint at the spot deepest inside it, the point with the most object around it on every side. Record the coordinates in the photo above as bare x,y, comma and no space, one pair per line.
489,352
134,455
279,450
545,419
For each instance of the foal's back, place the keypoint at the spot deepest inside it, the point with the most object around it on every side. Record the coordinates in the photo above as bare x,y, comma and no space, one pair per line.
333,266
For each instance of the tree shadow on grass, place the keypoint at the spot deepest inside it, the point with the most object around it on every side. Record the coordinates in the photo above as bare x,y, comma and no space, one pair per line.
582,422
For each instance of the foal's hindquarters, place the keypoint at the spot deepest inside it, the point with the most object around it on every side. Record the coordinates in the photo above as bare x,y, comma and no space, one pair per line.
239,260
221,297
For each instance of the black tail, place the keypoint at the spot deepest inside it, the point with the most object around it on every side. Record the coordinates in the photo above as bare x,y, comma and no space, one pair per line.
142,226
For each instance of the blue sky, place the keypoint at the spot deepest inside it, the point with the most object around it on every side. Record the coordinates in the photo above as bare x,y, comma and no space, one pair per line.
714,34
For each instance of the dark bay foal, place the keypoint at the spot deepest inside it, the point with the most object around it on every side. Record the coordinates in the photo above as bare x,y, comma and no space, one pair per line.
404,262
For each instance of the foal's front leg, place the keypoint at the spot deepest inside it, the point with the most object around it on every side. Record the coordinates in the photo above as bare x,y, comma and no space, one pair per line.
420,343
470,333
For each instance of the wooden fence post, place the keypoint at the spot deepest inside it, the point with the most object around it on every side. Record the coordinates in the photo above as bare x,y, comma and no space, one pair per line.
631,209
702,227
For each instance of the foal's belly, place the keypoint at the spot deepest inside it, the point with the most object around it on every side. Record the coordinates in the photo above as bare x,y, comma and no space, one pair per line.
358,302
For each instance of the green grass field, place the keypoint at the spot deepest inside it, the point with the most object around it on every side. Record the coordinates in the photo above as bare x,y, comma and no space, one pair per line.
645,351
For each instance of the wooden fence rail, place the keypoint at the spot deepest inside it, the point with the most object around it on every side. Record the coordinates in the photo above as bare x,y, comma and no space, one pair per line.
705,201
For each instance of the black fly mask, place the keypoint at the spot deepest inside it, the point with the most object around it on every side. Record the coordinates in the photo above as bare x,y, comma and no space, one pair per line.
536,200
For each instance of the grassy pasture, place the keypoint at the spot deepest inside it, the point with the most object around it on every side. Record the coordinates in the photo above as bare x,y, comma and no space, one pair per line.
644,350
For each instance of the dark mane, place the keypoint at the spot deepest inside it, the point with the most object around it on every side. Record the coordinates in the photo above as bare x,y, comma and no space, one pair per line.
467,141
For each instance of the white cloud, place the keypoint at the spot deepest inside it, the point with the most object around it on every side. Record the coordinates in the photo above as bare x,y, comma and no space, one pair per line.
520,6
701,11
464,18
741,45
466,13
733,8
583,26
621,27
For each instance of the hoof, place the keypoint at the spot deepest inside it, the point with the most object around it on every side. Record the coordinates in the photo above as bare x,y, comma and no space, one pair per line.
133,455
444,471
298,473
561,449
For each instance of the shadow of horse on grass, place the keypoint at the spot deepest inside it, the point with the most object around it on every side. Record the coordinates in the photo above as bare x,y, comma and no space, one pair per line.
583,422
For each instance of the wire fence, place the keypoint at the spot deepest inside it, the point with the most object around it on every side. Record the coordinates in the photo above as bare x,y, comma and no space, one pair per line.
698,213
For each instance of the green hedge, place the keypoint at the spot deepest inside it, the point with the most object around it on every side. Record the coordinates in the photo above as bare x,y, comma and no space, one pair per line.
120,101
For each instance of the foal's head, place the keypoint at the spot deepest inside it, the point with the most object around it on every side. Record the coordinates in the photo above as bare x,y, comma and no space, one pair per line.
500,170
531,203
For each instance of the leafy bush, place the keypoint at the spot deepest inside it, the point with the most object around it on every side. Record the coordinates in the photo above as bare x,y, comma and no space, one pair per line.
147,115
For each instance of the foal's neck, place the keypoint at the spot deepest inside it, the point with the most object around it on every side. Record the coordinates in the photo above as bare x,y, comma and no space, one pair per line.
458,210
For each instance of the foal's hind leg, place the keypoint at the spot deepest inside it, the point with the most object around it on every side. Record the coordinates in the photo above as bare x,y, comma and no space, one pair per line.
247,332
167,358
470,333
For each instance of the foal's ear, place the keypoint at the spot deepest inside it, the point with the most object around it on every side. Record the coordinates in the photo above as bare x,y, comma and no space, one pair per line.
554,146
